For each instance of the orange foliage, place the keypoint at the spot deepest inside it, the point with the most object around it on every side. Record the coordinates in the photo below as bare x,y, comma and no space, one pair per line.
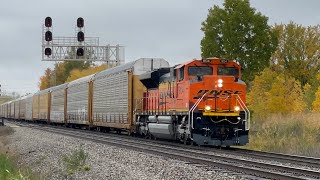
76,73
45,79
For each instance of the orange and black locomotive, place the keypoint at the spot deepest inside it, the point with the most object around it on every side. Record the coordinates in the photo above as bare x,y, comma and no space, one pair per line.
200,101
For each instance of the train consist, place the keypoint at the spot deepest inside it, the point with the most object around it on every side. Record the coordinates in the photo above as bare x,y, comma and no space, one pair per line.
200,102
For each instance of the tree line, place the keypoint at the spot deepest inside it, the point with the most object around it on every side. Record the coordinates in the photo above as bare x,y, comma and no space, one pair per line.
280,62
67,71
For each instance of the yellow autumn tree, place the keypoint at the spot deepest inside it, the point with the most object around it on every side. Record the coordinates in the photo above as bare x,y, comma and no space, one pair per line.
45,79
76,73
285,96
274,93
257,97
316,102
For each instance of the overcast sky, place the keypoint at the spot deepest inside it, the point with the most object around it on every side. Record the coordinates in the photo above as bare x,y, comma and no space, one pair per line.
147,28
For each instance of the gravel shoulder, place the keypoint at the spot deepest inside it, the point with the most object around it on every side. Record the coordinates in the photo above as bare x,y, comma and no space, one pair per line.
43,152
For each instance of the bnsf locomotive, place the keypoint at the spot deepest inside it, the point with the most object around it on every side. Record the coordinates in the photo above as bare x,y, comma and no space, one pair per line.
200,102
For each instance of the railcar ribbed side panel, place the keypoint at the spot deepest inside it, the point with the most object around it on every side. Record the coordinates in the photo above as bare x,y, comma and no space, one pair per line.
22,108
12,110
110,99
43,105
35,107
77,103
28,113
57,105
16,107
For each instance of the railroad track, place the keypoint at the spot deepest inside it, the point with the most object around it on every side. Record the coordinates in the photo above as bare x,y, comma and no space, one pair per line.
294,159
203,155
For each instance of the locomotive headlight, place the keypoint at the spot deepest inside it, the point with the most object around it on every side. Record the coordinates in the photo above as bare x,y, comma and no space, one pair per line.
207,108
220,81
237,108
220,85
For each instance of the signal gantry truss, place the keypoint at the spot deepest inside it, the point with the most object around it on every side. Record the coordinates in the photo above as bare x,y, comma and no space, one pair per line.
56,48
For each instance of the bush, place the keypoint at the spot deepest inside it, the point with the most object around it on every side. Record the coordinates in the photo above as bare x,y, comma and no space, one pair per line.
76,160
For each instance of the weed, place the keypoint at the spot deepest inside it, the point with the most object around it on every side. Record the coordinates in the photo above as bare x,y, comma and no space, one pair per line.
76,160
9,170
292,134
86,168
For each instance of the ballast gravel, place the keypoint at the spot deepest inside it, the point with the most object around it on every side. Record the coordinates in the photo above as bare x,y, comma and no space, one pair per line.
43,152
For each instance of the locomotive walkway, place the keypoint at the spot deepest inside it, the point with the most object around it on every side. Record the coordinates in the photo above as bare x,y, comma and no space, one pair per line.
290,167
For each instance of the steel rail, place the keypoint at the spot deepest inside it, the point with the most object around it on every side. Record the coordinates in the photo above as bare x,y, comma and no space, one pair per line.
250,167
294,159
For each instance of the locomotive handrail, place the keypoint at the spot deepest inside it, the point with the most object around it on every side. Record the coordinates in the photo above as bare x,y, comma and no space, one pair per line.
246,110
192,110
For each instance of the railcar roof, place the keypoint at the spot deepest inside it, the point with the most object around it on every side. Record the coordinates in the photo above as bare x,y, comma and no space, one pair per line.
138,66
81,80
61,86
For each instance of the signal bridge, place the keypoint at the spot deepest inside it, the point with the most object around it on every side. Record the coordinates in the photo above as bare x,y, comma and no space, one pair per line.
79,48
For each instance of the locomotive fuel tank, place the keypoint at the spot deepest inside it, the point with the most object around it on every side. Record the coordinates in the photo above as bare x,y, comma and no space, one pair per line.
162,131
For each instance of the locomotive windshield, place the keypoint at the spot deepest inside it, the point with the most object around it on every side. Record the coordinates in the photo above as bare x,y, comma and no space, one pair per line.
228,71
200,70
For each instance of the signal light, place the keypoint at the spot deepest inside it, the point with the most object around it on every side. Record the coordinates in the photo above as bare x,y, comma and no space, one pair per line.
80,51
80,22
48,22
48,36
80,36
47,51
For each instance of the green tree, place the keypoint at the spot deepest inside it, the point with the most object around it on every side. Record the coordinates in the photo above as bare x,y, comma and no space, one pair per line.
297,53
238,32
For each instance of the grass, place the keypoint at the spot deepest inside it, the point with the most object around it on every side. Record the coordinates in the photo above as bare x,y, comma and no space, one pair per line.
76,161
9,170
293,134
8,164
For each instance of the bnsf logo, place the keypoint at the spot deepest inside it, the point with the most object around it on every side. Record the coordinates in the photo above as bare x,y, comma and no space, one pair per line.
215,93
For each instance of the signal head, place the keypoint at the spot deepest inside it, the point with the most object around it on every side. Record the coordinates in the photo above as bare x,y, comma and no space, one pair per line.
47,51
80,36
80,22
48,22
80,51
48,36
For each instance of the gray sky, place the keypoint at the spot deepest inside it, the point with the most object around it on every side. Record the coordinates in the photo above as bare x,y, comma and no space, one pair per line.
147,28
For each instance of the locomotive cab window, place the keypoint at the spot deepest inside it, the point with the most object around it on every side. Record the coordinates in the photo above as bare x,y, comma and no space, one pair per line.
200,70
181,73
228,71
